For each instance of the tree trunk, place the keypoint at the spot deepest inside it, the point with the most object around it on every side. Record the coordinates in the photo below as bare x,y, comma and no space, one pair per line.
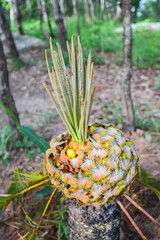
65,14
11,12
87,12
93,222
118,12
47,19
18,16
41,20
91,6
75,12
61,32
102,3
44,10
8,35
6,96
127,104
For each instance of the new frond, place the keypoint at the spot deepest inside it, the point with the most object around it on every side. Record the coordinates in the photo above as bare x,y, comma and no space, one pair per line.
73,99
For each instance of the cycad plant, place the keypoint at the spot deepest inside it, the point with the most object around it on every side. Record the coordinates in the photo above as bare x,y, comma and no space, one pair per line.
91,164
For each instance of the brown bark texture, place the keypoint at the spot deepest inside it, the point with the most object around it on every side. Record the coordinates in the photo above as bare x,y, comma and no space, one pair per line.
18,17
5,94
75,11
127,103
61,32
8,35
93,222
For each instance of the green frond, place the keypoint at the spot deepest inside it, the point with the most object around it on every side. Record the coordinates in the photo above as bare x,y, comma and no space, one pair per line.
73,95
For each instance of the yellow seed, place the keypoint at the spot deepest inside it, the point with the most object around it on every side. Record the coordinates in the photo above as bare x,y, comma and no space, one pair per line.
106,145
73,190
71,153
58,164
91,129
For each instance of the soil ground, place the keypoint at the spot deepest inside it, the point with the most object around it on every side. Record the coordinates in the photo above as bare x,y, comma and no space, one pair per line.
36,110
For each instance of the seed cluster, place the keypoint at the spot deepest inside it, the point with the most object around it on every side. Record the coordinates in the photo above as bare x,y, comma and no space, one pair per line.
94,172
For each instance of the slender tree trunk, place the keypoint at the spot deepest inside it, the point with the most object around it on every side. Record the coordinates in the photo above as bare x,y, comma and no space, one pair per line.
88,20
61,32
18,17
28,4
75,12
127,104
91,6
118,12
5,94
44,10
102,3
46,16
11,12
41,20
8,35
65,14
93,222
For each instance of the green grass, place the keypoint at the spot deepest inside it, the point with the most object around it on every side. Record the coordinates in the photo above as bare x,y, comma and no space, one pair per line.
100,37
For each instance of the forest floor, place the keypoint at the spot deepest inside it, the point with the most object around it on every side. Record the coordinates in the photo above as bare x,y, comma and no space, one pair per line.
36,110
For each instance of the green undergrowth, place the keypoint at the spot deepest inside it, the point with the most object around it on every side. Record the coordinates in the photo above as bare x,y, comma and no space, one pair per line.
144,120
100,38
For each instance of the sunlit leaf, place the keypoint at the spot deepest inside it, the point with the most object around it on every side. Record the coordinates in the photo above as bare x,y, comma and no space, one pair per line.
37,140
150,182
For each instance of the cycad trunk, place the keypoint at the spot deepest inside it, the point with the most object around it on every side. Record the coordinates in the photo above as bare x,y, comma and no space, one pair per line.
93,222
127,104
8,35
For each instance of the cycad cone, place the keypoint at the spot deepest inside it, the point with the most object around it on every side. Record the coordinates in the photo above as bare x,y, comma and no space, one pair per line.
103,168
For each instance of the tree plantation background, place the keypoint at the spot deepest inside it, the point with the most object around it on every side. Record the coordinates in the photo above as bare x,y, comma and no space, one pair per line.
123,37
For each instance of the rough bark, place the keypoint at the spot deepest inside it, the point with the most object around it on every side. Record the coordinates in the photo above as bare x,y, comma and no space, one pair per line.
91,6
18,17
8,35
61,32
127,103
5,94
88,20
75,12
93,222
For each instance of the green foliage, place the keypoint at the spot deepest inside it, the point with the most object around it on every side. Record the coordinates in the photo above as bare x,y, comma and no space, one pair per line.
145,120
24,143
32,27
37,140
150,182
146,48
22,183
157,87
10,113
4,140
61,222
